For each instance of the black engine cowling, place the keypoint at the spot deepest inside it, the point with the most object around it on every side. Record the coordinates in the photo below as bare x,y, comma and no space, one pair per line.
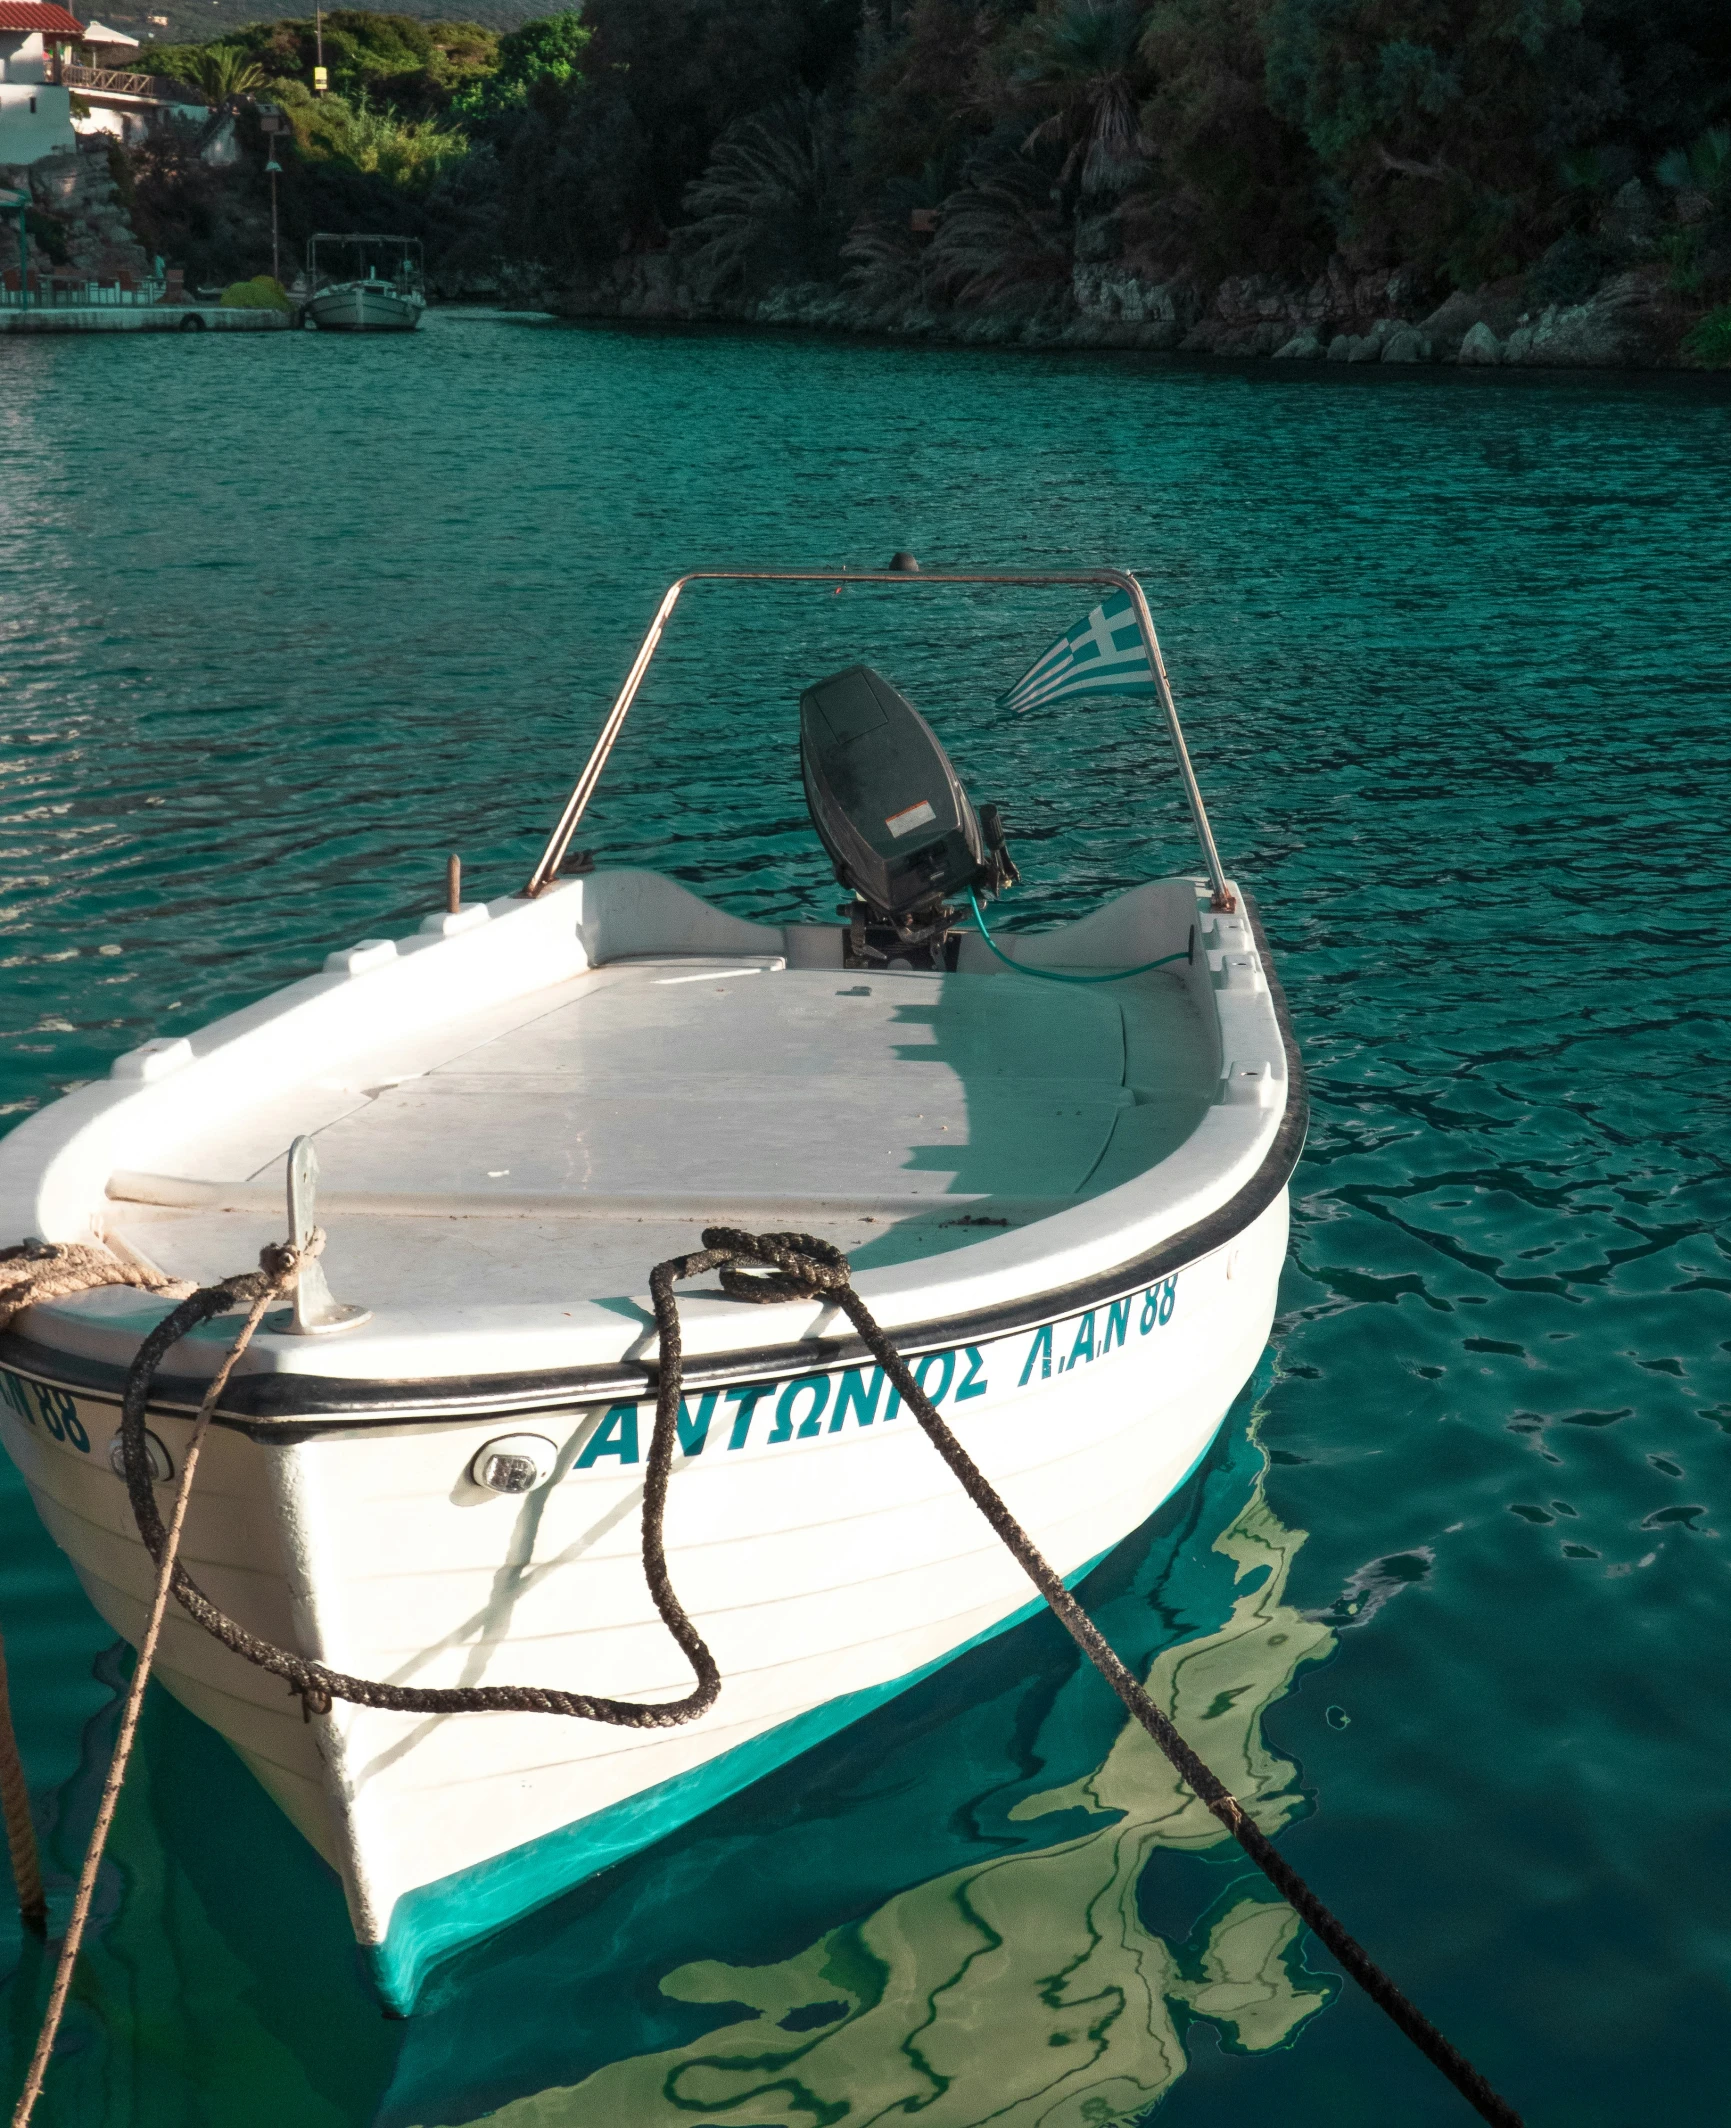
893,815
890,809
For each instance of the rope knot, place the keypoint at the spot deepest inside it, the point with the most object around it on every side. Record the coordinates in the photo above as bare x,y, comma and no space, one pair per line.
281,1261
800,1266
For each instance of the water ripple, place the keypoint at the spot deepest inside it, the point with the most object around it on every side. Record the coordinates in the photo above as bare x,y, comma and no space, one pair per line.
1455,670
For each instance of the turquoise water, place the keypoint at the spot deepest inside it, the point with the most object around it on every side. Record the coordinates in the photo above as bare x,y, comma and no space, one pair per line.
284,620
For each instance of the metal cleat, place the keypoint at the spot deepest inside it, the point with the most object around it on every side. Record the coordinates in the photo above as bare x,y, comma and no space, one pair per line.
315,1313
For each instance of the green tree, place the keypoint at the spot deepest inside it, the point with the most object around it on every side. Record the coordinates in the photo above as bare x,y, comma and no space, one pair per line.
547,53
548,50
772,206
225,74
417,66
1081,66
1232,187
1003,242
918,104
1439,124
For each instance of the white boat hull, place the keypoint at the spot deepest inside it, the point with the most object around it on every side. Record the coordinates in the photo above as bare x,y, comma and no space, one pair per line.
364,306
1085,1355
826,1567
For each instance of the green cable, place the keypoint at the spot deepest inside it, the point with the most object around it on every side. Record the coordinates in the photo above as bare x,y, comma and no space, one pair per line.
1053,975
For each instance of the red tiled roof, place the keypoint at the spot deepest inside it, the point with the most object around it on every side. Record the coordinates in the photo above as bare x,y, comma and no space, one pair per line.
39,15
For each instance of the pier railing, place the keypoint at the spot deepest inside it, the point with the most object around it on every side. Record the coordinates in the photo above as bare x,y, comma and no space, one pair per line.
114,82
64,291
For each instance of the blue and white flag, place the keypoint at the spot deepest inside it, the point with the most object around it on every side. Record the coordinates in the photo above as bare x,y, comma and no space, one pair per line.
1102,655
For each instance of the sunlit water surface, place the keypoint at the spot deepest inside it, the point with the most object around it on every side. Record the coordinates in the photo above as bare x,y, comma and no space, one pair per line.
283,620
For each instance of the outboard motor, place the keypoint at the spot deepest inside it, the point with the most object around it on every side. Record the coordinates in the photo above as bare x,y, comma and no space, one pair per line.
893,815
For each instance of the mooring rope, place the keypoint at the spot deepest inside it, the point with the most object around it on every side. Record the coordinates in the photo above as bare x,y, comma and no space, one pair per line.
33,1272
317,1685
37,1271
805,1268
277,1272
788,1267
20,1827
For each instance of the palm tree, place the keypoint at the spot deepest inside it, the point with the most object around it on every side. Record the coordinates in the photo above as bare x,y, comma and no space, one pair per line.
887,250
770,207
1002,243
1082,63
225,73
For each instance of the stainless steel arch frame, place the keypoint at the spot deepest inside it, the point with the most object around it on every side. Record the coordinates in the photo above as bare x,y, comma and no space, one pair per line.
546,870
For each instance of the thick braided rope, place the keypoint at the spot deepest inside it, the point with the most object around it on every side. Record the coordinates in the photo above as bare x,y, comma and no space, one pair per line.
317,1685
20,1827
278,1271
36,1271
33,1272
803,1267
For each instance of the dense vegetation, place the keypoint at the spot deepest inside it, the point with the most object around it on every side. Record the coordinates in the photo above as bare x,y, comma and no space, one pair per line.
971,152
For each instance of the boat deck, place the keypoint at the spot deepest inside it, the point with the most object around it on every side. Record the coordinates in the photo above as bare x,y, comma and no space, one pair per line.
556,1146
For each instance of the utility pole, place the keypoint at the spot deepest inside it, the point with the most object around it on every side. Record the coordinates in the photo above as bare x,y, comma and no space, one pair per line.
321,80
272,123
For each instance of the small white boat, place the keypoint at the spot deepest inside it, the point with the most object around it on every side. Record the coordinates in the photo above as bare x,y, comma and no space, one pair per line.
365,283
1065,1200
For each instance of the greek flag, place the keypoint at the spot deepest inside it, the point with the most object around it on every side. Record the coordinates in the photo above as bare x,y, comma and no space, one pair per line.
1102,655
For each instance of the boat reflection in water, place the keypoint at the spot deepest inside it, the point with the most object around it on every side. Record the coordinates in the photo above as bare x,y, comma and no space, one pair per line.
1025,1990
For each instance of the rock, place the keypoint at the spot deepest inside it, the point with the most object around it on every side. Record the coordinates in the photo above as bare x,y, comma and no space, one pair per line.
990,328
1496,305
1406,344
1099,238
1630,321
1624,326
1571,270
1117,293
1241,340
1630,225
78,191
1480,345
653,284
814,304
1264,298
1370,295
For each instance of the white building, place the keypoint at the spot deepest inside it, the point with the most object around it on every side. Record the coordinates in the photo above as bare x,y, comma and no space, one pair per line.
35,109
127,105
48,58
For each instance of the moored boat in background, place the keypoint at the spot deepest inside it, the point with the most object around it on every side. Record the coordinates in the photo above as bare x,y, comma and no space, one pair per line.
365,283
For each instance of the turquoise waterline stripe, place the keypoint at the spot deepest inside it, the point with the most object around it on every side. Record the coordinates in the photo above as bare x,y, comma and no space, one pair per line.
435,1920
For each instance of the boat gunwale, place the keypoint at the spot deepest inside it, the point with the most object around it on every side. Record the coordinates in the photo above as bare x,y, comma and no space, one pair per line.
309,1405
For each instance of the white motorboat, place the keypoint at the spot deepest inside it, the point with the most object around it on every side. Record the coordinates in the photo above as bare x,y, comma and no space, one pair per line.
365,283
1065,1201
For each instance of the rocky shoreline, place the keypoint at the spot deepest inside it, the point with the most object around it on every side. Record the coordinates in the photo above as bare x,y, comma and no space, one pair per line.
1632,320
